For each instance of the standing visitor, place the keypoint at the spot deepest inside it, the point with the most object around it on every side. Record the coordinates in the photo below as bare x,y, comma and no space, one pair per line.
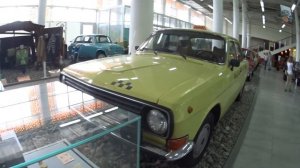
289,73
269,62
265,60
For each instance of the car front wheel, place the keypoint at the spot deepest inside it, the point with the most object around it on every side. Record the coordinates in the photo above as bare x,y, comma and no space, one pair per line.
201,142
100,55
239,97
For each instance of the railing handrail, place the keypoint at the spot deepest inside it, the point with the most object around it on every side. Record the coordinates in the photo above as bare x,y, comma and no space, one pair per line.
278,41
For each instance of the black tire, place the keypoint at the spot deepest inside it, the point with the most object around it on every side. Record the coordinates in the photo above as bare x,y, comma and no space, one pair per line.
239,97
100,54
249,77
201,142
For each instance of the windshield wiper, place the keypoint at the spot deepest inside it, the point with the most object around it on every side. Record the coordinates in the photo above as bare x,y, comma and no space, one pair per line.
182,54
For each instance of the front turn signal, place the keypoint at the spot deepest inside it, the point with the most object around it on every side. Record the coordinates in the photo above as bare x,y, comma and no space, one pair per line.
174,144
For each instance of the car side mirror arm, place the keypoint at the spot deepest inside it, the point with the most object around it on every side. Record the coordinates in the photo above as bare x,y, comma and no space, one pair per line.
234,63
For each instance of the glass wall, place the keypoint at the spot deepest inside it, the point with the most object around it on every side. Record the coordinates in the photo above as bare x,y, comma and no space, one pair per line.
73,3
159,6
197,18
23,14
110,17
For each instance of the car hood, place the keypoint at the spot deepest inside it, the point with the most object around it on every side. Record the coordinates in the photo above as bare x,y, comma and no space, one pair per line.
145,76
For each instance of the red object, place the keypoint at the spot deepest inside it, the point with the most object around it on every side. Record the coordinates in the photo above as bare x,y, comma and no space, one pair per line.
174,144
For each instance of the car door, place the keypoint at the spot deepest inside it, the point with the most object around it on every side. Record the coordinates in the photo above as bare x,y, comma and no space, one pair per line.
87,51
231,75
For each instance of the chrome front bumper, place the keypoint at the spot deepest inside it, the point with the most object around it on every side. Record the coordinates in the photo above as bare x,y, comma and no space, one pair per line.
173,155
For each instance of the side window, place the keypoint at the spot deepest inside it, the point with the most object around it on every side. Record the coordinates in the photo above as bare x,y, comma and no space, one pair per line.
78,39
238,52
103,40
87,39
231,50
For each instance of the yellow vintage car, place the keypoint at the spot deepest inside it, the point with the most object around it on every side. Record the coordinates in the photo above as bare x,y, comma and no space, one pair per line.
181,82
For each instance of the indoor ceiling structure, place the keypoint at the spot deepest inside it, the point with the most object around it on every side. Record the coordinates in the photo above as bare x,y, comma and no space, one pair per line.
272,11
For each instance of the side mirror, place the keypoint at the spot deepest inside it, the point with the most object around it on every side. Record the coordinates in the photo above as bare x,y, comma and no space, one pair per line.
136,47
234,63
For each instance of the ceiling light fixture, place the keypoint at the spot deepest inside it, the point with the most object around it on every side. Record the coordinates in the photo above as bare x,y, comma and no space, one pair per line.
209,18
283,26
280,30
262,5
264,26
228,20
263,19
187,6
293,7
199,12
210,7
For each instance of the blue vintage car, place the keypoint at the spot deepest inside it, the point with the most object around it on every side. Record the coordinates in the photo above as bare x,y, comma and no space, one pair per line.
86,47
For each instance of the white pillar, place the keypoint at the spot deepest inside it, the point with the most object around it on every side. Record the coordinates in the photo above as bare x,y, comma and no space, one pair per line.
218,16
248,34
141,23
297,35
42,12
163,3
41,21
244,26
190,15
236,19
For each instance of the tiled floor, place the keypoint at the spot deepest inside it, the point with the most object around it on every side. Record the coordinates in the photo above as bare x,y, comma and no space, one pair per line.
272,139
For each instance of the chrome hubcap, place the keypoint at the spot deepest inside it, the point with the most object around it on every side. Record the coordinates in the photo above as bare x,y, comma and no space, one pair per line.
201,141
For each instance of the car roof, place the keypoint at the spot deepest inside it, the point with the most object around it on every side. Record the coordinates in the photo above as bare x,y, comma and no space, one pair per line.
197,30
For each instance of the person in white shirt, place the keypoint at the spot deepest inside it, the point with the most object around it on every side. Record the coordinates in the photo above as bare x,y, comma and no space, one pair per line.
1,87
289,74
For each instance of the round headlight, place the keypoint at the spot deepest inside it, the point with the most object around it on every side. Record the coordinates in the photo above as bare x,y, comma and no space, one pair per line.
157,122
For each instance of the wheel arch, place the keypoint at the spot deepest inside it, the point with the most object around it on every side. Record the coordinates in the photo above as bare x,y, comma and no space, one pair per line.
216,111
100,51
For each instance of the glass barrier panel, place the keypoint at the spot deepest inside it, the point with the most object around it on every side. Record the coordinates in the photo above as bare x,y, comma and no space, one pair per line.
70,125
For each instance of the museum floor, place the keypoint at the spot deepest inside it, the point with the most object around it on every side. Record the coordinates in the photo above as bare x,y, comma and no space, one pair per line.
272,137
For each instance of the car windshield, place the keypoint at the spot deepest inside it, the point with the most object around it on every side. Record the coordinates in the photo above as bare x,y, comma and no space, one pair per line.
102,39
199,45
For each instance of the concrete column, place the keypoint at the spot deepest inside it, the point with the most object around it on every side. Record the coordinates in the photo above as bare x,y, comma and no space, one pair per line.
244,26
41,21
297,35
236,19
218,16
163,2
225,30
42,12
190,15
141,23
248,34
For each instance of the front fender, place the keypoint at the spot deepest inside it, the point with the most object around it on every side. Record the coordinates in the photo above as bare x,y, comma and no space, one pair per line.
192,106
